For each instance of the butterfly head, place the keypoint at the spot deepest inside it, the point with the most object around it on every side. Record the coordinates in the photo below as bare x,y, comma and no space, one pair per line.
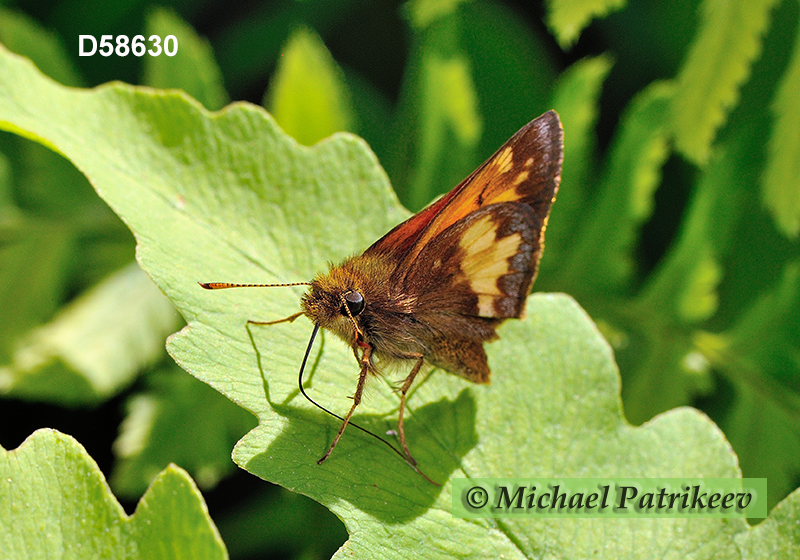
337,302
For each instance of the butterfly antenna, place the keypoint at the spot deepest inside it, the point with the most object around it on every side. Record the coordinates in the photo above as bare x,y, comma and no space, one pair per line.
224,285
312,401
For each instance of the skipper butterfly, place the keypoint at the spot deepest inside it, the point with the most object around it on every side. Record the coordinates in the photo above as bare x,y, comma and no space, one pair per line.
435,288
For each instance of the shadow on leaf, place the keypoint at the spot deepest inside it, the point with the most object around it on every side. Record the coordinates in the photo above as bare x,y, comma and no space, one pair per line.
361,470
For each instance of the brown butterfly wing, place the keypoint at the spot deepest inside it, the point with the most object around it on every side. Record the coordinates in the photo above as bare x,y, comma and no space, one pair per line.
476,273
538,142
488,261
481,266
467,261
405,235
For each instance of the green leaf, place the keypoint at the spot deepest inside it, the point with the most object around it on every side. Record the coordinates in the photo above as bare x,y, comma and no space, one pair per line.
55,503
24,36
60,240
767,331
49,186
95,345
567,18
512,70
257,206
308,95
686,279
373,112
443,78
576,99
422,13
247,47
155,432
773,538
192,69
601,259
683,290
435,142
50,190
33,264
759,355
781,178
6,203
476,74
718,63
759,426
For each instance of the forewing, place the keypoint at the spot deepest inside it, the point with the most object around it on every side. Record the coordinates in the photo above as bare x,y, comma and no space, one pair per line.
525,170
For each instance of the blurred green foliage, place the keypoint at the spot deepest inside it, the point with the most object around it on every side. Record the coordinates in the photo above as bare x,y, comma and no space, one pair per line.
675,227
52,487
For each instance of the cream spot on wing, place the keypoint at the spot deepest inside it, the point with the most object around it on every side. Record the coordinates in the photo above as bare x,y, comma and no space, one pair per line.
485,305
486,259
479,236
522,176
529,162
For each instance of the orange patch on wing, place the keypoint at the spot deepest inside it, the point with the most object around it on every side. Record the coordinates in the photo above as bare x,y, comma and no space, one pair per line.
503,163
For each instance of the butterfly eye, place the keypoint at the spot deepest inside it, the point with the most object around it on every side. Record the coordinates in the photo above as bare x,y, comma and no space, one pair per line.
355,303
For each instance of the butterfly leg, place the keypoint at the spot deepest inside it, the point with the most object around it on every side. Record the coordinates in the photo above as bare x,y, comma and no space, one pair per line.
362,378
288,319
403,393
